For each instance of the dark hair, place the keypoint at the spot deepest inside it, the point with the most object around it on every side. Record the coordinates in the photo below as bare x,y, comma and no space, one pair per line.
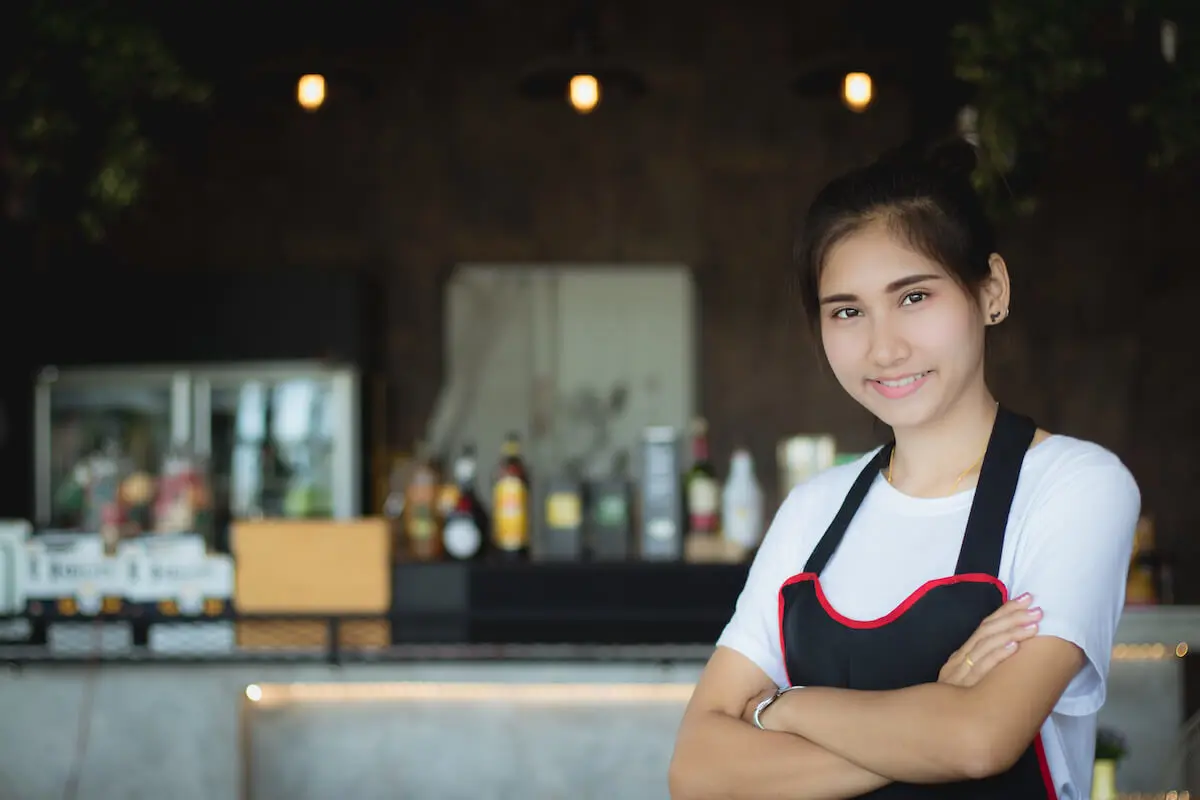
926,200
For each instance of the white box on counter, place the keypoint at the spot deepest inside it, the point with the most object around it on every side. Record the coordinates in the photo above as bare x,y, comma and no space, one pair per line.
69,574
175,575
175,545
14,535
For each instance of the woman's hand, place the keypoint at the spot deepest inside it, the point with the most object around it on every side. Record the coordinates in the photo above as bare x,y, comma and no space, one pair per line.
996,638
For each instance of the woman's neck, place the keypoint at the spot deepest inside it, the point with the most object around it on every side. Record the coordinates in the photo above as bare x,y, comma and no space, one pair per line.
944,457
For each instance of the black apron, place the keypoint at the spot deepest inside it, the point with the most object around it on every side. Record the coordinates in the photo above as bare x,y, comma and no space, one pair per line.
909,645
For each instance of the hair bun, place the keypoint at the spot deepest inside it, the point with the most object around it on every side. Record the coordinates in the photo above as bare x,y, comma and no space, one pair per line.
956,157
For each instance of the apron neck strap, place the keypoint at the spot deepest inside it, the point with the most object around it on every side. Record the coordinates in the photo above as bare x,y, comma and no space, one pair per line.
837,529
983,542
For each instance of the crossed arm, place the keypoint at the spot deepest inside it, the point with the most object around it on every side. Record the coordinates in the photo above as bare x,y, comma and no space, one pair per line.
937,732
720,756
837,743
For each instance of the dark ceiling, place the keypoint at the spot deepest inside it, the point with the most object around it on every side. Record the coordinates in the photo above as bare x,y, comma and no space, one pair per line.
224,31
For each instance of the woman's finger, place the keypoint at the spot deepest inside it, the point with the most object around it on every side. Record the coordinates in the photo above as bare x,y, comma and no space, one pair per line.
1000,640
992,650
988,662
1007,615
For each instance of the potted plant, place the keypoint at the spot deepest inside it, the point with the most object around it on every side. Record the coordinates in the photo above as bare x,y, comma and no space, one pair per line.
1110,749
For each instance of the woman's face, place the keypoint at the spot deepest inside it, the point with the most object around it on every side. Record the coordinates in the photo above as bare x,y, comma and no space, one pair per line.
903,338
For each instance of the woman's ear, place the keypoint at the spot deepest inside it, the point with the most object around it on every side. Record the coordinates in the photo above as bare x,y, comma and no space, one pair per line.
994,293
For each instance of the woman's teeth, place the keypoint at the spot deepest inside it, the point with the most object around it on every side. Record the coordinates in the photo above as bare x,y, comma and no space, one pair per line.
904,381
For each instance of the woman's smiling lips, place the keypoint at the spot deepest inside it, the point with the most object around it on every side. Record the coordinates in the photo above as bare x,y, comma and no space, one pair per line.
894,388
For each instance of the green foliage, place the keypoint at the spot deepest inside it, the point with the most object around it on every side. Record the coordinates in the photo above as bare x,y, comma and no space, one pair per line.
79,82
1027,60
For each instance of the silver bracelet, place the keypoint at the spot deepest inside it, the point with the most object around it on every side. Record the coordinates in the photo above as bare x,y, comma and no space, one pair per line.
765,704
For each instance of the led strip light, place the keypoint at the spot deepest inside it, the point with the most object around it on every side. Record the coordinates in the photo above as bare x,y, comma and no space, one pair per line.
549,693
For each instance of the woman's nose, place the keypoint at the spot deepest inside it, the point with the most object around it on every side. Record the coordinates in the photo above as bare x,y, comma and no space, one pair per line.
888,346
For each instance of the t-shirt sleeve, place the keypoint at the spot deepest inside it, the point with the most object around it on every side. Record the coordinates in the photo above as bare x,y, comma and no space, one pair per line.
753,630
1074,556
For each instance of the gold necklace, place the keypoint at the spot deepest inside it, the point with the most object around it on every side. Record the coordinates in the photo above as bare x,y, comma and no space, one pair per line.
966,472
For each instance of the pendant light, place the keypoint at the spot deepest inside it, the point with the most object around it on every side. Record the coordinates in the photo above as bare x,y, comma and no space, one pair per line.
582,78
854,77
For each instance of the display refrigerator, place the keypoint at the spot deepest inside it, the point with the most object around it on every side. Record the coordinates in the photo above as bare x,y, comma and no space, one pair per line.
270,440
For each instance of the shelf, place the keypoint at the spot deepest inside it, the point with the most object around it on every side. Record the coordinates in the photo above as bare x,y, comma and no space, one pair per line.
621,603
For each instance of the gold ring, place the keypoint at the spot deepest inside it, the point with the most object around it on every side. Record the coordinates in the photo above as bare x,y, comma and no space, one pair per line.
967,660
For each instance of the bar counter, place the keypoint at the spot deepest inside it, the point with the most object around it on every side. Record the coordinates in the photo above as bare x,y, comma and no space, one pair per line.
586,665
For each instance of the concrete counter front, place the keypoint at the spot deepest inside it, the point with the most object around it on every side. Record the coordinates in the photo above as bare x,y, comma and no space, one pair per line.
428,730
464,739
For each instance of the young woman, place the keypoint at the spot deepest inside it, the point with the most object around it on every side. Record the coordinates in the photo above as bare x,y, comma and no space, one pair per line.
936,619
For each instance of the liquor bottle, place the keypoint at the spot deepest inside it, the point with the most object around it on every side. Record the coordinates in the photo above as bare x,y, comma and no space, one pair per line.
702,493
447,492
559,526
393,504
510,502
661,512
422,533
610,513
464,533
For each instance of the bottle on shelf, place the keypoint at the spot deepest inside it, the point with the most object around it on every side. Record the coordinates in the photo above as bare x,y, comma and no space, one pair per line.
422,532
510,502
107,468
703,494
742,503
447,492
661,519
184,501
610,513
464,535
559,526
399,474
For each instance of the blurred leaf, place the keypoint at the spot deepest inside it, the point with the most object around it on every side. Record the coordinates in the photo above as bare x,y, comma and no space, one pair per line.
78,82
1025,60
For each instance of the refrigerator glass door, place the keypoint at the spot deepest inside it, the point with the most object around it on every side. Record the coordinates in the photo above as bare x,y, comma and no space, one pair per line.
131,417
272,447
279,442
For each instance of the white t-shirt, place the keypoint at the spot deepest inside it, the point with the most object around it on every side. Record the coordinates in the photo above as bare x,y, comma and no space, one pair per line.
1068,543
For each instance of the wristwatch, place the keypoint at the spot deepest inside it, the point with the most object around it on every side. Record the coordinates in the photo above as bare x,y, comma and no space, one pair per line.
765,704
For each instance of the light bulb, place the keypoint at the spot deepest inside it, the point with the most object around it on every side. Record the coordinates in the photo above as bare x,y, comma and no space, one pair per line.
310,92
857,91
584,93
1169,39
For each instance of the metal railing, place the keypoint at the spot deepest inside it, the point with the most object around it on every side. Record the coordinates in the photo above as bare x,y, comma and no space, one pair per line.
140,638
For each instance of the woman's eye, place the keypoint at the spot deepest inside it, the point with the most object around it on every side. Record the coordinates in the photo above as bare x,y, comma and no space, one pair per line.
913,297
845,313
